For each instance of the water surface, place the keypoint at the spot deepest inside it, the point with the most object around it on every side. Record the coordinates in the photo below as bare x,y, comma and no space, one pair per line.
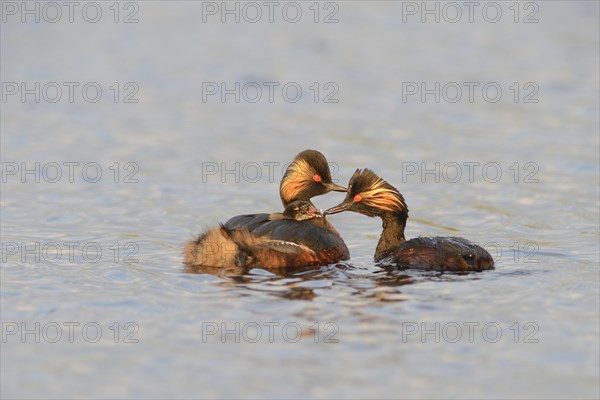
133,324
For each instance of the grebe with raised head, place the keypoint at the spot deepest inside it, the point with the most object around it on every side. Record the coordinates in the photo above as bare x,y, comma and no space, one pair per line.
308,175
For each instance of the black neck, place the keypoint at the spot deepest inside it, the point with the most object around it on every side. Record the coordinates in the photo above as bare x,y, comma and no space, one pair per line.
392,235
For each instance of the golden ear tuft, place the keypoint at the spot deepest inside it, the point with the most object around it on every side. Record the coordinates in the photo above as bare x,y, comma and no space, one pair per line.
377,193
298,176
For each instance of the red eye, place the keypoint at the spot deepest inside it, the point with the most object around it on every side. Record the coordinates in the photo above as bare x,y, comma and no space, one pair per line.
317,178
357,198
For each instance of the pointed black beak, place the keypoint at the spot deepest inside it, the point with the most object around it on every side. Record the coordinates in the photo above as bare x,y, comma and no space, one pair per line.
336,188
337,209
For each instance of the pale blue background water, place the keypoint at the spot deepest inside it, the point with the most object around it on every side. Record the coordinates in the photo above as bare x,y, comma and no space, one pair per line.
170,132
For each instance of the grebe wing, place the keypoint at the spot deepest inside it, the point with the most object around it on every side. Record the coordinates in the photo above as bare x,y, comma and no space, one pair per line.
248,221
282,246
305,233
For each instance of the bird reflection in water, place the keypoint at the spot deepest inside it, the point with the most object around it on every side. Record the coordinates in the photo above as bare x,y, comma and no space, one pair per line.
292,285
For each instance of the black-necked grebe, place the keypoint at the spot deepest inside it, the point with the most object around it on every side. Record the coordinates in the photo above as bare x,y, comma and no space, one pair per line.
370,195
227,248
307,176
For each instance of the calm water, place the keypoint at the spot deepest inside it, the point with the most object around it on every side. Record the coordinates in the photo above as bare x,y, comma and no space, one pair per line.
101,307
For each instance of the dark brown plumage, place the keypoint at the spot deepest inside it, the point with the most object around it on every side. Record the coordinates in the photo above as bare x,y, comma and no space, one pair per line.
370,195
231,248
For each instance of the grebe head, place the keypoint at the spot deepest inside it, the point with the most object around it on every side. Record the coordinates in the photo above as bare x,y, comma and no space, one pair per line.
370,195
307,176
301,210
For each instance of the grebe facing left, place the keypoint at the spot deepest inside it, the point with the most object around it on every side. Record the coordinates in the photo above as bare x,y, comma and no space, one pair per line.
227,248
370,195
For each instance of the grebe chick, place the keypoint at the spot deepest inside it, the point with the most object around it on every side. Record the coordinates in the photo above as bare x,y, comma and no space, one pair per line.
298,210
372,196
227,248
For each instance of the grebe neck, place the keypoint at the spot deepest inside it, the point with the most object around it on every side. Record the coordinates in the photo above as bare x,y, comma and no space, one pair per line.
393,233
